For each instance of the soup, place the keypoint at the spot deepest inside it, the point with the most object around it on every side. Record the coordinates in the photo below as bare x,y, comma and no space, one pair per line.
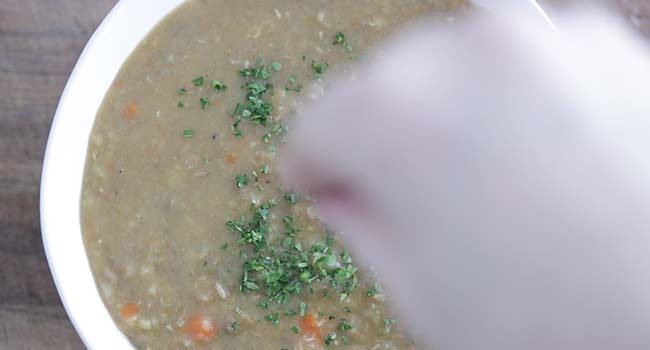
193,242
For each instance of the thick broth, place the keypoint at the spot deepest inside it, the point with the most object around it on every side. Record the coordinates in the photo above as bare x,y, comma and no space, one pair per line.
161,179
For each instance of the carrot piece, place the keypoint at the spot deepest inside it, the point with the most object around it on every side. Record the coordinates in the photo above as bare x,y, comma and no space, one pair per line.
201,328
310,327
130,310
131,111
230,158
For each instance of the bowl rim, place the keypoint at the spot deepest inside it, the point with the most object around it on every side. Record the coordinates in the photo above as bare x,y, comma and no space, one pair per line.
125,26
120,32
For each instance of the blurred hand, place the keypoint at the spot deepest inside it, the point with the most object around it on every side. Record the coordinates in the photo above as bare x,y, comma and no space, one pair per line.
497,175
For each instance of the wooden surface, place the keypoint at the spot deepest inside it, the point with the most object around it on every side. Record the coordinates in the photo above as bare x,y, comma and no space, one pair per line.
40,41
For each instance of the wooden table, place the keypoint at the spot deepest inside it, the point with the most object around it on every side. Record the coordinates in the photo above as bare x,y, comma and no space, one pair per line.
39,44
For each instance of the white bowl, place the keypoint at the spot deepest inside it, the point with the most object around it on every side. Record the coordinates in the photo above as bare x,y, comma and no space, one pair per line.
118,35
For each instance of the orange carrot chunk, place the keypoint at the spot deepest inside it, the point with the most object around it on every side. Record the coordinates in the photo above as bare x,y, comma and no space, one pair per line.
131,111
309,327
130,310
230,158
201,328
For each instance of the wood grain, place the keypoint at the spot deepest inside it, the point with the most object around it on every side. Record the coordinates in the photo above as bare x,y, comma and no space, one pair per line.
39,44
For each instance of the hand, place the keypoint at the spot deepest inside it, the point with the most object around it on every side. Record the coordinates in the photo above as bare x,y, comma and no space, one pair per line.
496,173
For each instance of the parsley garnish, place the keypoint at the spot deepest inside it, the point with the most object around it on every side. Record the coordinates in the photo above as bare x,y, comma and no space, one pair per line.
282,268
204,102
292,86
219,86
198,81
376,288
319,68
256,108
340,39
241,180
388,324
345,326
291,197
330,338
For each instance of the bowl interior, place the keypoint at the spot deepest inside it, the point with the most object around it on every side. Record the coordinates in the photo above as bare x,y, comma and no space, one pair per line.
118,35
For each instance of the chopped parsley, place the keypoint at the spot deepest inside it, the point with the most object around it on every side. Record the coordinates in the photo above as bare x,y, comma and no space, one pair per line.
255,108
281,269
292,85
319,69
241,180
204,102
388,324
330,338
219,86
303,309
291,197
273,317
345,326
374,290
198,81
340,39
345,340
181,92
188,133
278,266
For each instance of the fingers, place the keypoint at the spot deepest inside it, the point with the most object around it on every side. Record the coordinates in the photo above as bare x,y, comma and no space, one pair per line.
479,170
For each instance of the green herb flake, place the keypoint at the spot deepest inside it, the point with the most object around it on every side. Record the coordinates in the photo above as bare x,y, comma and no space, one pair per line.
204,102
198,81
345,340
302,309
291,197
181,104
241,180
181,92
292,86
340,39
274,318
345,326
188,133
319,69
330,339
388,324
276,66
219,86
295,329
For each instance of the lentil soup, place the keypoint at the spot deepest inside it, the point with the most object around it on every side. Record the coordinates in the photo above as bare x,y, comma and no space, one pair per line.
192,240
